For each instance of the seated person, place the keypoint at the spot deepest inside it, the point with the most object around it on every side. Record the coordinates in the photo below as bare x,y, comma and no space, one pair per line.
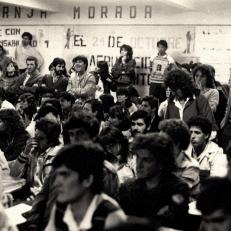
80,203
156,193
212,161
34,163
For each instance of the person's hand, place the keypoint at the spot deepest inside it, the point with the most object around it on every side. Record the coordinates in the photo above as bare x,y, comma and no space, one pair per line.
31,146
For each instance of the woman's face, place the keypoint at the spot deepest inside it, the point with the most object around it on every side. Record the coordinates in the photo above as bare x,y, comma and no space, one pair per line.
114,148
200,80
123,52
10,69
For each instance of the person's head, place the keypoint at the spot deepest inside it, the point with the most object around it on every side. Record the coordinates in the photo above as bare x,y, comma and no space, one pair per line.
162,46
180,83
66,100
140,121
83,126
200,129
26,38
2,51
203,76
79,171
215,205
114,144
126,50
32,64
149,104
44,96
119,118
47,134
178,131
54,103
12,69
102,67
154,155
122,95
27,104
59,65
80,63
94,107
107,101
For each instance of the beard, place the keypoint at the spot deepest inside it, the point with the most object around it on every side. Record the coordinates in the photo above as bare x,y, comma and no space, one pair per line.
58,72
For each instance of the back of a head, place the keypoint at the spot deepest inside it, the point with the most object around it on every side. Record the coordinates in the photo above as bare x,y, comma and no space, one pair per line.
85,158
178,131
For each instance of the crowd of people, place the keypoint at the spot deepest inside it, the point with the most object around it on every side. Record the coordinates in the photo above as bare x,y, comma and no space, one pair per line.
96,155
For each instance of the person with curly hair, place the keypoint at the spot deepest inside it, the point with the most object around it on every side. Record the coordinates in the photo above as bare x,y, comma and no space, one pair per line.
13,134
205,83
186,101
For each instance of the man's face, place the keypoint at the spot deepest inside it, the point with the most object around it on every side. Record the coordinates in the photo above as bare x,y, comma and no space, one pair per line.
87,108
31,66
161,49
121,99
80,66
65,104
146,164
41,138
198,138
77,135
59,69
25,41
146,107
69,187
216,221
138,126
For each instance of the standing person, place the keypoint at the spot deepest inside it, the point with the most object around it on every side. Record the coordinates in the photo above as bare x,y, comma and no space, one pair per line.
56,81
25,50
123,71
158,67
81,83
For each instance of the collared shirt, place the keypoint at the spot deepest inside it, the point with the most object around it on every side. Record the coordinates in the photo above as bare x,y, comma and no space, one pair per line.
26,79
180,106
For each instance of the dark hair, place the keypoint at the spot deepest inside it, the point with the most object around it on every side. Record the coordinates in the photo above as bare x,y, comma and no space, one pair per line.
160,146
128,49
27,34
179,79
103,66
177,130
203,123
107,102
55,103
141,114
85,158
82,58
206,71
112,135
57,61
52,130
44,110
15,66
82,120
215,195
67,96
123,91
153,102
96,106
163,43
32,58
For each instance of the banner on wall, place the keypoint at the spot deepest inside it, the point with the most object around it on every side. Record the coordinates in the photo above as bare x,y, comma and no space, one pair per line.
102,43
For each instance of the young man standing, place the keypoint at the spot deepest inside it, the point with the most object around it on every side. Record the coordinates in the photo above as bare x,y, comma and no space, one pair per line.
158,66
79,180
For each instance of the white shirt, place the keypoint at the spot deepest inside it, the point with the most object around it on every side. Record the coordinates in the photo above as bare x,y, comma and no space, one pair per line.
180,106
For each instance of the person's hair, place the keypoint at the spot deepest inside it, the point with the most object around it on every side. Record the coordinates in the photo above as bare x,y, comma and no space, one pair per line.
81,58
15,66
177,130
103,66
179,79
112,135
153,102
206,71
141,114
107,102
32,107
82,120
2,94
32,58
203,123
85,158
128,49
160,146
186,66
12,119
51,66
50,129
123,116
44,110
96,106
67,96
55,103
3,50
163,43
215,195
132,91
57,61
27,34
123,91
